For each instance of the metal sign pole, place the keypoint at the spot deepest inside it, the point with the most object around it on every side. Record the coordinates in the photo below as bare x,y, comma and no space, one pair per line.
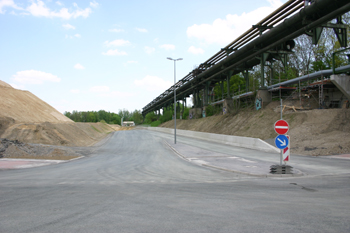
281,109
281,158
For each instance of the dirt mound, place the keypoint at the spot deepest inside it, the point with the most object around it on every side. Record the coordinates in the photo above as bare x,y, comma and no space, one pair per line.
74,134
313,132
16,149
3,84
23,106
25,119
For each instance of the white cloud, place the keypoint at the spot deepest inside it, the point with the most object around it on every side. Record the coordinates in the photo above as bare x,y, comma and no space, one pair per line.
75,91
115,30
99,89
39,9
94,4
34,77
79,66
114,52
195,50
224,31
71,37
153,83
120,42
68,26
149,50
80,12
141,30
167,46
9,4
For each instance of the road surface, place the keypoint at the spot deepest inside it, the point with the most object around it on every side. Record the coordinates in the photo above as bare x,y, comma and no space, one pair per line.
135,183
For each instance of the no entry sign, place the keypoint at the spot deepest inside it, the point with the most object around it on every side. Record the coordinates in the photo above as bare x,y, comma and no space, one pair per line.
281,127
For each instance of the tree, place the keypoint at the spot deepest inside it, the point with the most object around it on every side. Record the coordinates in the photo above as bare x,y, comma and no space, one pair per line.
137,117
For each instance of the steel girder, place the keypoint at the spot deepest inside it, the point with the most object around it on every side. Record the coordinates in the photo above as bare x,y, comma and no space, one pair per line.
241,54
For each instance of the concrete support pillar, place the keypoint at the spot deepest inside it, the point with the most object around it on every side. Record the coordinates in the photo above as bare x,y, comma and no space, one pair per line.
222,89
195,113
199,104
194,98
342,81
206,94
246,77
264,95
228,83
228,106
263,59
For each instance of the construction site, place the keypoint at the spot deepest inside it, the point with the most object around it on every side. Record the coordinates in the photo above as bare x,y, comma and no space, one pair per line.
316,104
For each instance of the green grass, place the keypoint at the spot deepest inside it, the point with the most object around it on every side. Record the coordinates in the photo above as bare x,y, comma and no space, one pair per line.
155,123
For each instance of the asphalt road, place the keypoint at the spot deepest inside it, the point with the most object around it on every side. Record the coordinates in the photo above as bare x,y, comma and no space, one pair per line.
136,183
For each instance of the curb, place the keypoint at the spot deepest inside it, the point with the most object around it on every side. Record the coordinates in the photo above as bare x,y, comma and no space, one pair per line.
42,161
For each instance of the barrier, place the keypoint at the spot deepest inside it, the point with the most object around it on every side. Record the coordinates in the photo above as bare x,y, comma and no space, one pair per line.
245,142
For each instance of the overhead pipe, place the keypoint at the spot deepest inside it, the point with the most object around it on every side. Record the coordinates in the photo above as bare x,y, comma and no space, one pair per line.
288,23
280,32
318,74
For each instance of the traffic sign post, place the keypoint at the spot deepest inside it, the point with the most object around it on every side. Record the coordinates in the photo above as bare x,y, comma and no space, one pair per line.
286,151
282,142
281,127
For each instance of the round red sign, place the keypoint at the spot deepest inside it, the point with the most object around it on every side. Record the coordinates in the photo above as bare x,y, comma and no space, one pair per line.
281,127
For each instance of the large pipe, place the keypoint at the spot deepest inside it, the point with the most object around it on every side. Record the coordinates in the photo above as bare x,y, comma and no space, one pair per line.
318,74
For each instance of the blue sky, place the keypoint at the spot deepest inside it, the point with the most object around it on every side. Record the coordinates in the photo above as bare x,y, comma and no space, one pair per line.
111,55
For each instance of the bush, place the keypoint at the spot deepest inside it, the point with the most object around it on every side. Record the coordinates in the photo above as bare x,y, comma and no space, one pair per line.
211,110
155,123
167,116
150,117
186,113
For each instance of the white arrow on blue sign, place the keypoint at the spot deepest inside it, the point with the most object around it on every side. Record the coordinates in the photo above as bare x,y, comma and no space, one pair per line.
281,141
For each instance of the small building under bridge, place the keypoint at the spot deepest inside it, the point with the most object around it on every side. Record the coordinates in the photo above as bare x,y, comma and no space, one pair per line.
128,123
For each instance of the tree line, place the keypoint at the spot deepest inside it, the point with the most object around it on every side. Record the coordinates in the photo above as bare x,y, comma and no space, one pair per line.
104,116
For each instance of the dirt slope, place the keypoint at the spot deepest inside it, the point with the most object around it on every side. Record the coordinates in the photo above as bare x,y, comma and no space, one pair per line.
64,134
24,118
314,132
23,106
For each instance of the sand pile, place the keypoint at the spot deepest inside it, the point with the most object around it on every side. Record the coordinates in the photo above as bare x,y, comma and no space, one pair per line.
23,106
25,118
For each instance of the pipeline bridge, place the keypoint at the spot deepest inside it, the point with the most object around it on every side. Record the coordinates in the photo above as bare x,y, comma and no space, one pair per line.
270,39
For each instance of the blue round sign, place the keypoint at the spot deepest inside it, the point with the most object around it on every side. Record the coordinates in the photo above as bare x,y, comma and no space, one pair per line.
281,141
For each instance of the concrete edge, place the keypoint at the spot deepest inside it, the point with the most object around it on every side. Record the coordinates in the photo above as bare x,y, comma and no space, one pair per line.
245,142
233,171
